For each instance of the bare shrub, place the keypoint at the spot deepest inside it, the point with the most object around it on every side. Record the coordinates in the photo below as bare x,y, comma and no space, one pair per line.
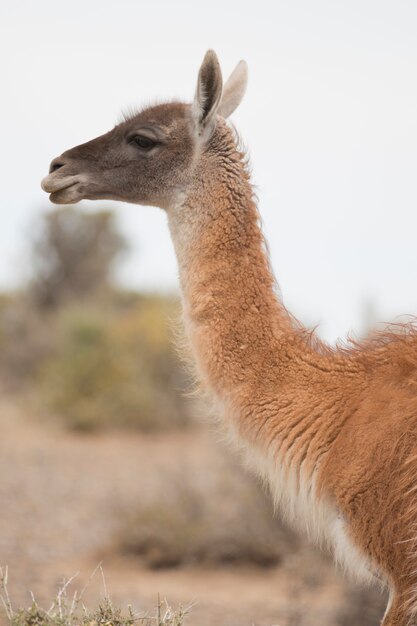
26,339
73,253
221,519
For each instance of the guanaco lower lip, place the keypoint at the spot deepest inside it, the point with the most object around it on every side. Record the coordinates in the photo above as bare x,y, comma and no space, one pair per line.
63,189
67,195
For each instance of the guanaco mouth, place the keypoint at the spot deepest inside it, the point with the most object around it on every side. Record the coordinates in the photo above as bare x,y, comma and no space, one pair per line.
62,190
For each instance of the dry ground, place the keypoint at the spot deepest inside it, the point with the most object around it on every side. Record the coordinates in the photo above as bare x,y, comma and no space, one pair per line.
64,498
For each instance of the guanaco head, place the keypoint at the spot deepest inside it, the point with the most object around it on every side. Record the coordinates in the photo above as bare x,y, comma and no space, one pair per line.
151,157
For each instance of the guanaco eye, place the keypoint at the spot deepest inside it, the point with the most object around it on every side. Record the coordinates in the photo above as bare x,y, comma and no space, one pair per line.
143,142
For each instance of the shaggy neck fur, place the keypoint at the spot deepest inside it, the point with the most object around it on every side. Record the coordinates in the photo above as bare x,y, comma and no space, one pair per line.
247,347
225,275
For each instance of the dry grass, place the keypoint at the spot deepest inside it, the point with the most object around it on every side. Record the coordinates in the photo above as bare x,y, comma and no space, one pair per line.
70,610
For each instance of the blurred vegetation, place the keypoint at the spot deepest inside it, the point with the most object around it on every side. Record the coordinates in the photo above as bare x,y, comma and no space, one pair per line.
94,355
116,367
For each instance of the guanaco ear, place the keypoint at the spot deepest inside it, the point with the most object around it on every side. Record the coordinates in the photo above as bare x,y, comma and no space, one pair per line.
208,93
234,89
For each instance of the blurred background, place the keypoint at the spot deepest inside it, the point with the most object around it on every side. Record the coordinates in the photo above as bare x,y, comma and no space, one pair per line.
105,455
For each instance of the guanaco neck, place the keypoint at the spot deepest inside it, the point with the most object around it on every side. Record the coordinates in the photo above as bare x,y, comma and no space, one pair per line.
237,327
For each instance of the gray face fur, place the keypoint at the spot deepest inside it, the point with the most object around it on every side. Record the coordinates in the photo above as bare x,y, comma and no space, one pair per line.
149,158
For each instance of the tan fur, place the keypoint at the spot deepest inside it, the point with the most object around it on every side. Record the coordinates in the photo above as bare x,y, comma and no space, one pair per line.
332,431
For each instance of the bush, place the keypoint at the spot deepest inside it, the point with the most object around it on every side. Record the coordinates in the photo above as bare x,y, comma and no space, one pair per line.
73,253
116,368
227,520
26,339
93,355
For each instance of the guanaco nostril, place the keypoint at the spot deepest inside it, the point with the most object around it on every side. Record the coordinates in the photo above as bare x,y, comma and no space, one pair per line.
55,165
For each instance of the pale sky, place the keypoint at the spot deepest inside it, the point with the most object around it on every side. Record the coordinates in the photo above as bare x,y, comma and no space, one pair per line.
329,118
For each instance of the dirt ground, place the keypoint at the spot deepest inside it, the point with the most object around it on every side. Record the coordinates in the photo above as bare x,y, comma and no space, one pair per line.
65,497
